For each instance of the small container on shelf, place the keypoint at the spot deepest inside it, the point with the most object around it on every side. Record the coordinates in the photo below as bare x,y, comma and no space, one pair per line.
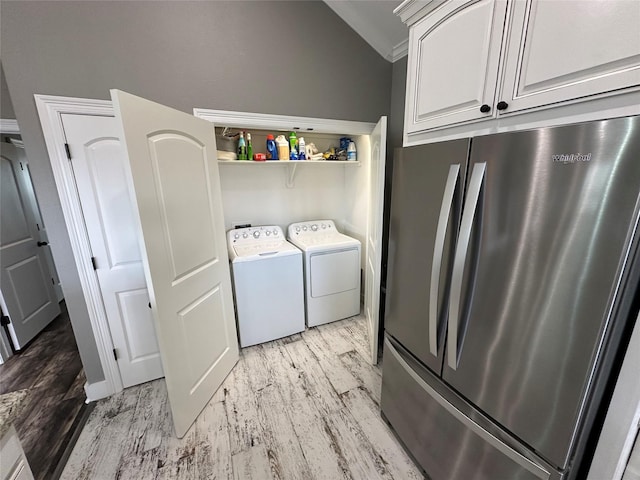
249,147
272,149
351,152
283,148
302,150
242,148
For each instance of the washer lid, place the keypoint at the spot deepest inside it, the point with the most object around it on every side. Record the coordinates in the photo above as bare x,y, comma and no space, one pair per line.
257,243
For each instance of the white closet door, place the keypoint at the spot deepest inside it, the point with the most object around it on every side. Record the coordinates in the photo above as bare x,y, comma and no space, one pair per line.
25,280
173,171
373,261
98,167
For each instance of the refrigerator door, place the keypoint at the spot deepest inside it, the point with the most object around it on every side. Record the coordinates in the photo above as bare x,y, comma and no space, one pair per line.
556,213
426,200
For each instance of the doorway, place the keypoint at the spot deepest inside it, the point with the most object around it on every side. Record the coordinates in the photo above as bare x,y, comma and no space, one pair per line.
97,161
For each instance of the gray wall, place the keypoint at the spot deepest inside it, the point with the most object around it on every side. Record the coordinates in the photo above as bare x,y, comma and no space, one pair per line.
6,107
296,58
396,115
394,140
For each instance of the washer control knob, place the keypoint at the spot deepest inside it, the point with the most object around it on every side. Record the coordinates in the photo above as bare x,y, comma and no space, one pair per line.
304,228
268,232
297,229
256,234
244,235
236,236
314,227
275,232
324,225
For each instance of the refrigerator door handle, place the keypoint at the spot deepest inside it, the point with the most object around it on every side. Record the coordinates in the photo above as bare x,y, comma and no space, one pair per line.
438,250
460,259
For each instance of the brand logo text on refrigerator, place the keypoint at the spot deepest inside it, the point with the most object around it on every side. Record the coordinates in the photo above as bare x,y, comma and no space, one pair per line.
571,157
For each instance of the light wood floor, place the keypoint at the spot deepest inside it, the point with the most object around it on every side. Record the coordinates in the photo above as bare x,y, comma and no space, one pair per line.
305,407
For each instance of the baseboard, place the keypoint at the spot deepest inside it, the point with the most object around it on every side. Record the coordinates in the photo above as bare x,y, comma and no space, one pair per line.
97,390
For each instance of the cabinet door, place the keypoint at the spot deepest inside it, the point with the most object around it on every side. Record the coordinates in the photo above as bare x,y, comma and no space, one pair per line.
565,50
453,64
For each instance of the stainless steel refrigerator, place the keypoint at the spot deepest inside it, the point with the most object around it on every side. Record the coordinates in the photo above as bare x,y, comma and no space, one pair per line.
512,282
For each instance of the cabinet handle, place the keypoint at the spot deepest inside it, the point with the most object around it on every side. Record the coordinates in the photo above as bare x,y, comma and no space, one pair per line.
42,244
485,108
502,105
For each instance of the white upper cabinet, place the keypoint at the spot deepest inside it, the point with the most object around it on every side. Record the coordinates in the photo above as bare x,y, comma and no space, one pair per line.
453,68
483,60
565,50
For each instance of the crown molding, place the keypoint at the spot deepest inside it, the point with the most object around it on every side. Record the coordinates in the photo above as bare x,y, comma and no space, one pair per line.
410,11
401,50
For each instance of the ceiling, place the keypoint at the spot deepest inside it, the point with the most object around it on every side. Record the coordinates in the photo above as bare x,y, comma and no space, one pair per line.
375,21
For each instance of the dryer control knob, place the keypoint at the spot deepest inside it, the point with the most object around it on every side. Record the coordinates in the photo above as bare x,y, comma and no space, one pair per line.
275,232
324,225
268,232
314,227
256,234
297,229
244,235
236,236
304,228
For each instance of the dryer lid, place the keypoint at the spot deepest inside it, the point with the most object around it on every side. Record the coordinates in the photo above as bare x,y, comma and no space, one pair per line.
319,234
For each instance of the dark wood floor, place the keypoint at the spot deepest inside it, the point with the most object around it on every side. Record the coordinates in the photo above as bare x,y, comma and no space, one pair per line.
50,368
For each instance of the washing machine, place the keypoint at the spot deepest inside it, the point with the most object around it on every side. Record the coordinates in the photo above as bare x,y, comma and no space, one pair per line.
268,284
331,270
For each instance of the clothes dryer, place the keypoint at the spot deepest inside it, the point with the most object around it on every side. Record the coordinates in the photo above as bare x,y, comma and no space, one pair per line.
331,270
268,284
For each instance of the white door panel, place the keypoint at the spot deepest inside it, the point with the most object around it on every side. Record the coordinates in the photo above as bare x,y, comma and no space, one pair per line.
373,249
454,54
25,280
140,337
172,168
98,165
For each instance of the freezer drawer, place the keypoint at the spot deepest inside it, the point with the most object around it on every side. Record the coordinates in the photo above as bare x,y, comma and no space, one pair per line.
447,443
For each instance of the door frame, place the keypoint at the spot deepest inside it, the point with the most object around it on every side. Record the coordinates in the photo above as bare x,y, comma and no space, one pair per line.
50,110
8,126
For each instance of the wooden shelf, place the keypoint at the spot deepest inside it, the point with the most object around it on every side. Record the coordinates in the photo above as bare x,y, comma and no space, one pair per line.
287,162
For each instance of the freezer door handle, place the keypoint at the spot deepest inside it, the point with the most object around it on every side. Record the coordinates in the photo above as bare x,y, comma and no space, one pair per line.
460,259
438,250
